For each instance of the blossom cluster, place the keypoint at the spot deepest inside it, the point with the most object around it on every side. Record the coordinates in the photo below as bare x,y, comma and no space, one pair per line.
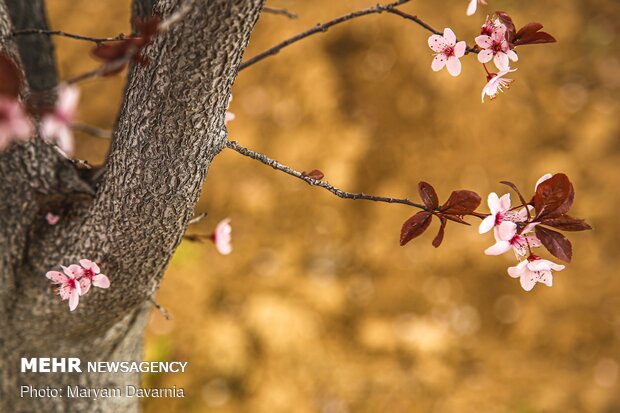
76,280
504,221
496,42
519,229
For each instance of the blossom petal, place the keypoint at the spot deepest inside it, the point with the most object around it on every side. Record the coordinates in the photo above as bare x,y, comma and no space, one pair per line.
73,271
90,265
471,7
56,277
498,248
517,270
485,56
501,61
493,202
84,285
512,55
506,230
437,43
487,224
454,66
74,299
449,35
484,41
439,61
546,277
504,202
459,49
542,179
101,281
527,281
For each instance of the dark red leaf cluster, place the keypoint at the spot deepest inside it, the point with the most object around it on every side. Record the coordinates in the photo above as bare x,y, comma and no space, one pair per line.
127,48
552,201
528,34
459,204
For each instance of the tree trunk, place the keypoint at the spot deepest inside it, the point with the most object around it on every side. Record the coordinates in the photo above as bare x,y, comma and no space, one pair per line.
170,126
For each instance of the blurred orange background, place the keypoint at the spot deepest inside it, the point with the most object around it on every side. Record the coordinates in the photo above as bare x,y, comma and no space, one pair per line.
318,309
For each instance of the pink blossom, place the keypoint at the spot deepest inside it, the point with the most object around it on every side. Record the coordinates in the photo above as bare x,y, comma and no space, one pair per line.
534,270
496,83
499,207
52,218
70,286
496,47
473,5
507,237
92,275
448,52
56,125
14,123
222,237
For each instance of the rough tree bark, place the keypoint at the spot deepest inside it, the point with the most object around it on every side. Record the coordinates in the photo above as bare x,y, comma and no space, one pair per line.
170,127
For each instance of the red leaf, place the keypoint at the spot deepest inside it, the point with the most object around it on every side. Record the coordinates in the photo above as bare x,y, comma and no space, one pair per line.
11,80
567,223
439,237
415,226
556,243
462,202
535,38
314,174
555,195
529,28
428,195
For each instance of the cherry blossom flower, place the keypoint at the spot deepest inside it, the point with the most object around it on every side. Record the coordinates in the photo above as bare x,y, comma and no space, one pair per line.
448,52
56,125
495,47
70,287
222,237
92,275
534,270
499,208
14,123
473,6
52,218
492,25
496,82
507,237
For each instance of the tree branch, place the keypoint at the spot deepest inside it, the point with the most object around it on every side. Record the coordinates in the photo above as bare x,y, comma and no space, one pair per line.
44,32
281,12
320,28
316,182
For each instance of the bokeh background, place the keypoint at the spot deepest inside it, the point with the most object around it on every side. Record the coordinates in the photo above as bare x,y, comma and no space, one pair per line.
318,309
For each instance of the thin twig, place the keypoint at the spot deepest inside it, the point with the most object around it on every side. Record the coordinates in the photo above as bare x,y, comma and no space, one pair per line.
197,218
320,28
80,163
419,21
161,309
92,130
315,182
96,40
281,12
